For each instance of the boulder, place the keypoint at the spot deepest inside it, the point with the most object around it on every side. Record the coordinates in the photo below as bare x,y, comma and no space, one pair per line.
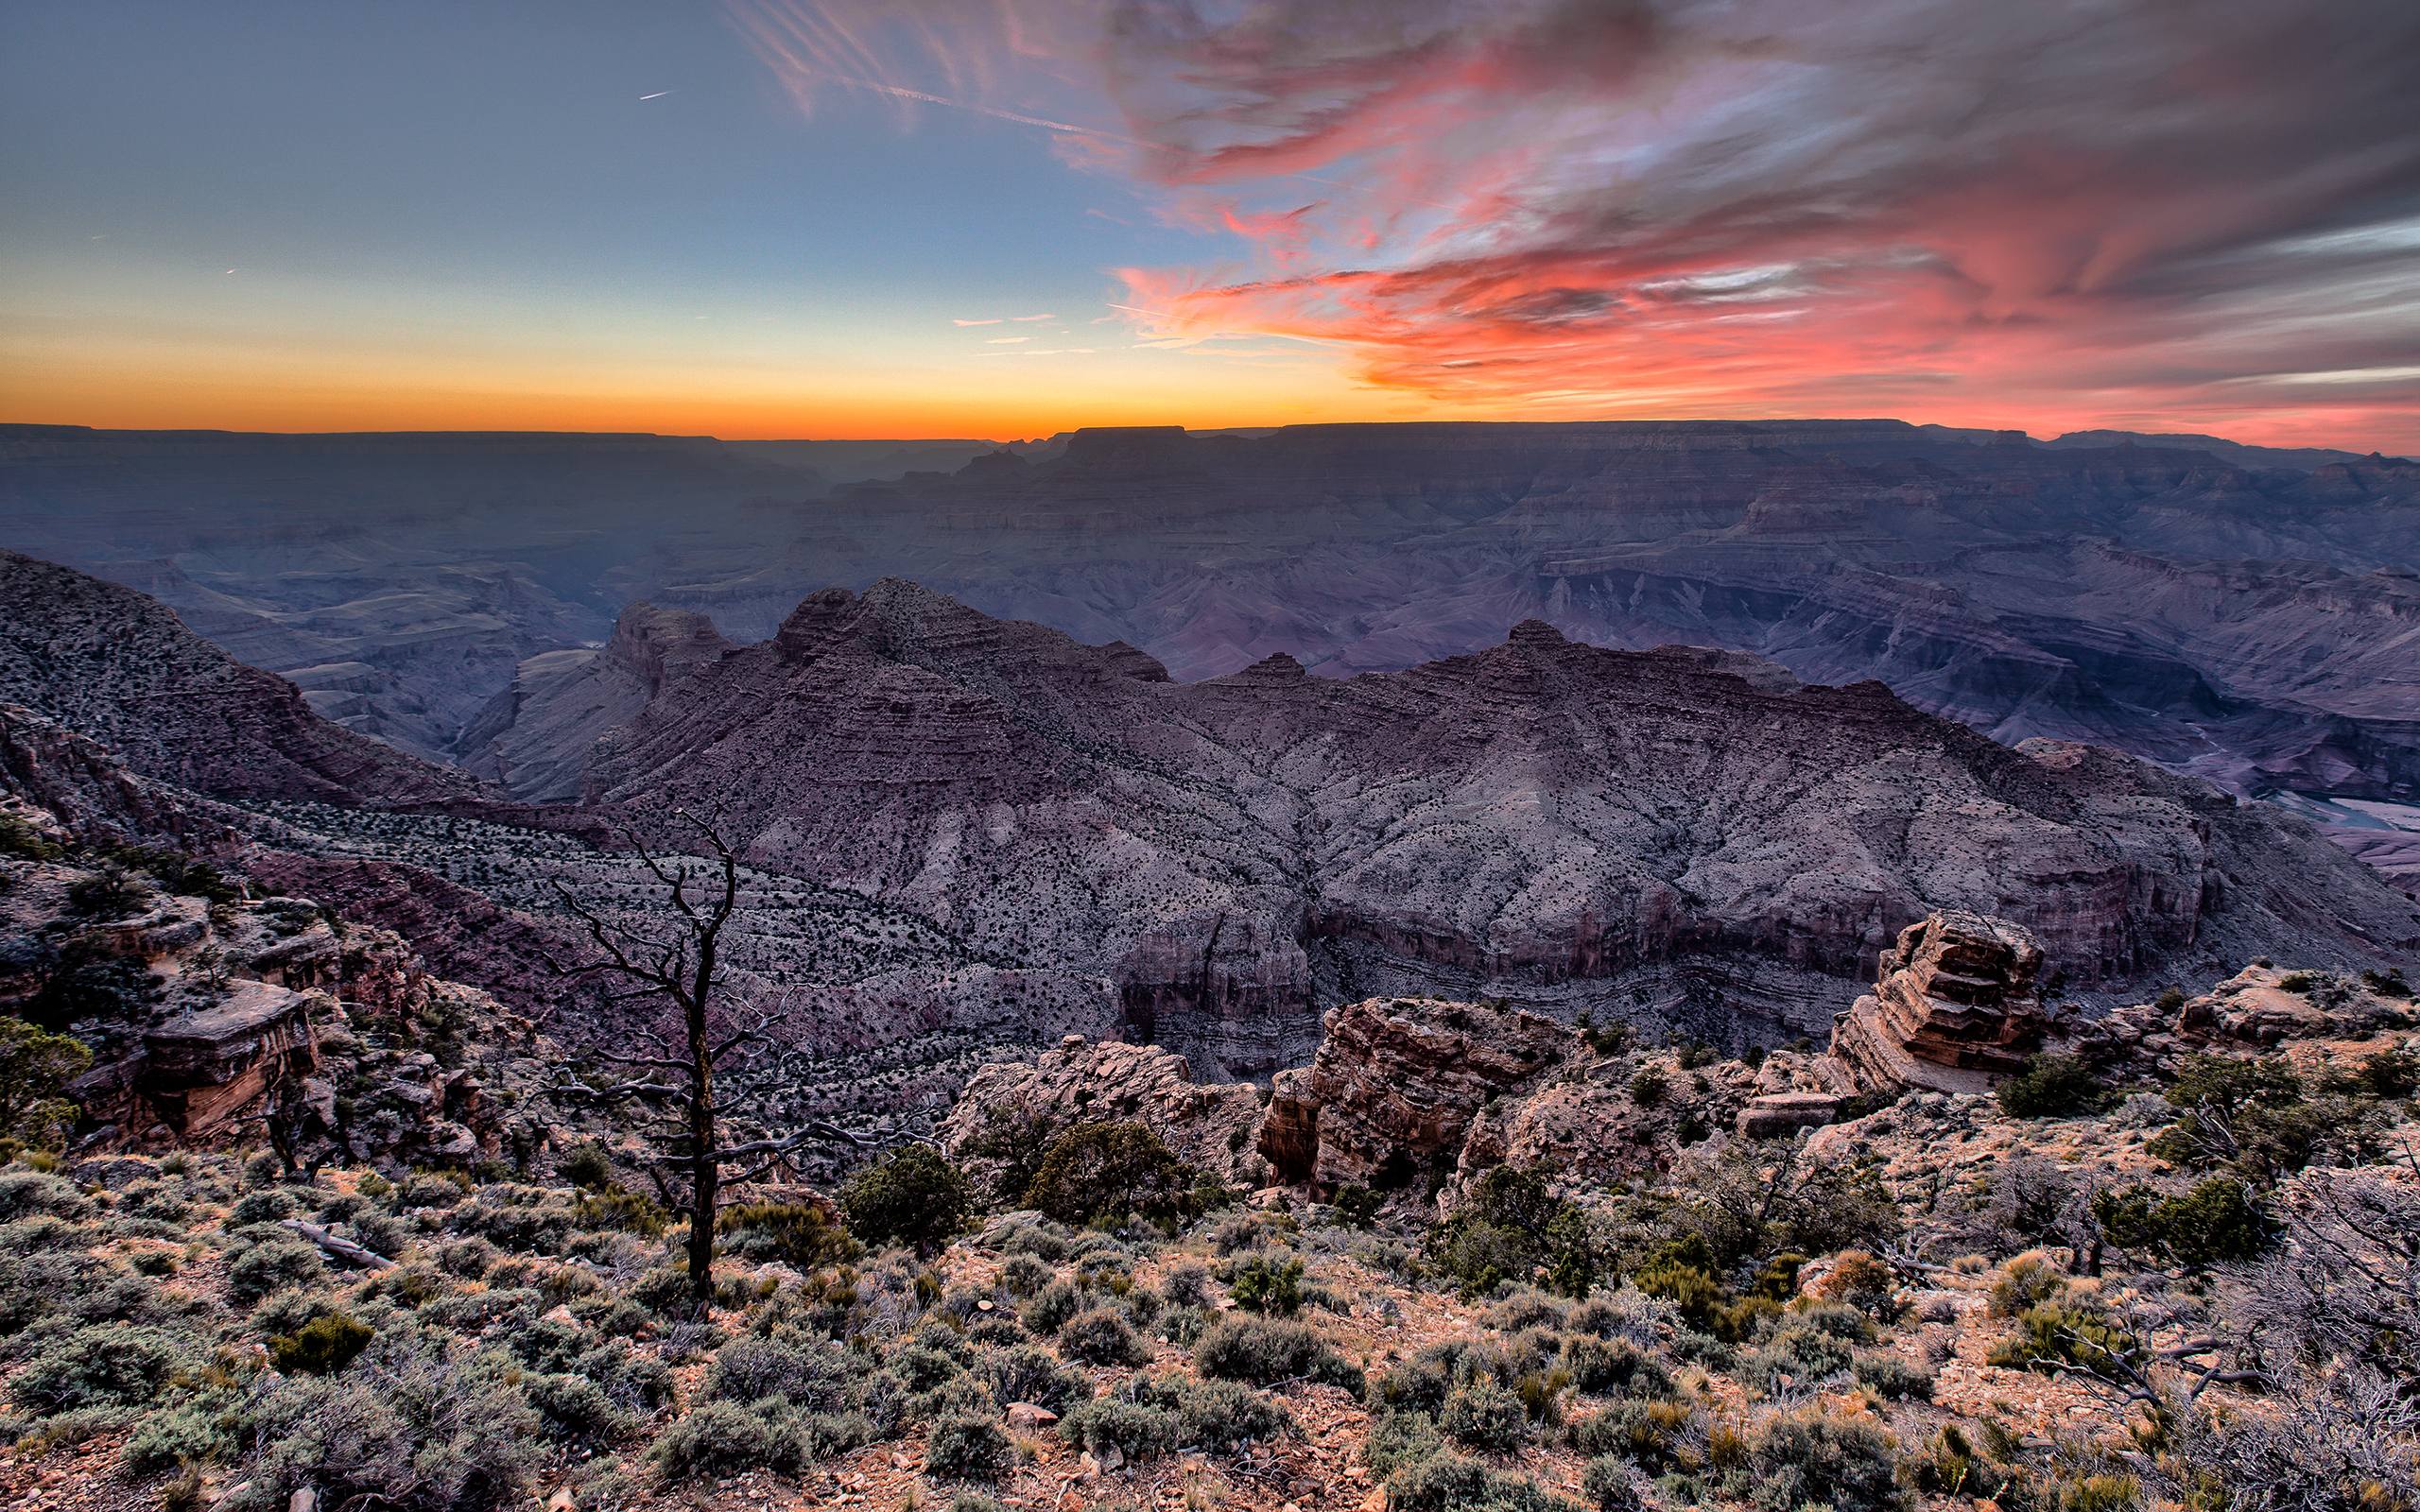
203,1070
1778,1115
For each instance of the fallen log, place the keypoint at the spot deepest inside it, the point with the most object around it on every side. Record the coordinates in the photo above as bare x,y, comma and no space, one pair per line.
342,1249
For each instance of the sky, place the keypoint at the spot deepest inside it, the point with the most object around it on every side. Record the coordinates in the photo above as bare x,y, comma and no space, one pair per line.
1009,217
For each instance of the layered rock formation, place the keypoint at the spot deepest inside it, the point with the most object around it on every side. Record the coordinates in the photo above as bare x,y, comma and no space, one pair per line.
1395,1086
199,1073
1557,823
535,738
1953,1007
119,668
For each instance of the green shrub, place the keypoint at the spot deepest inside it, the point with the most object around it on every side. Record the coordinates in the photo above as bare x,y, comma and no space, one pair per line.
1797,1356
2053,1086
1266,1350
2107,1493
429,1438
1614,1364
322,1347
810,1375
797,1234
1810,1459
720,1438
35,1068
1485,1415
1608,1485
1134,1430
1222,1416
1650,1434
628,1211
1264,1283
1357,1207
271,1264
1099,1336
2218,1221
1650,1087
1893,1378
1051,1307
1109,1171
587,1166
575,1406
203,1427
98,1365
1511,1227
1187,1284
1028,1372
2063,1331
968,1446
912,1197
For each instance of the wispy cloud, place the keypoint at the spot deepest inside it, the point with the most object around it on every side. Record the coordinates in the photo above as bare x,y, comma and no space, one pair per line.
2048,213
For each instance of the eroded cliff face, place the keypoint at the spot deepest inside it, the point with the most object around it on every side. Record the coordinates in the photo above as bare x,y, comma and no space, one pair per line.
119,668
535,739
1549,821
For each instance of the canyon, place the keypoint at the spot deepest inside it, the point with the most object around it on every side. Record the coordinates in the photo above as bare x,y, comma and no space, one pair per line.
2250,615
965,836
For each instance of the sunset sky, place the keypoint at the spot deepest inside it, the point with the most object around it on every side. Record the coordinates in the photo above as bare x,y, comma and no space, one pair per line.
1009,217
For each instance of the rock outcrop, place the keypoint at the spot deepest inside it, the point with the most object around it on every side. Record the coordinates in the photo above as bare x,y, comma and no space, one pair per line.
200,1072
1013,1110
1954,1007
1395,1087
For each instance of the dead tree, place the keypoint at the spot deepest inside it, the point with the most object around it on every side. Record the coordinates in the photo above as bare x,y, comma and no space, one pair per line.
679,964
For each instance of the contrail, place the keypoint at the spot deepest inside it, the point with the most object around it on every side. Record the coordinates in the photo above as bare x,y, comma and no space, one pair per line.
657,95
901,92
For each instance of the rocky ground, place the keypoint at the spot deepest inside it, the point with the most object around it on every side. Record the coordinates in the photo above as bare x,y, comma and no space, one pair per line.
358,1253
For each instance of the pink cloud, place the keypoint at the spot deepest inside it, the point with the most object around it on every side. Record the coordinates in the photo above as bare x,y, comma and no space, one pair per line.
2050,215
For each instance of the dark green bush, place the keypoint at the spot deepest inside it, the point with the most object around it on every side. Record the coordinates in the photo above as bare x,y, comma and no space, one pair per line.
912,1197
322,1347
2053,1086
35,1068
797,1234
1265,1283
1810,1459
1614,1364
1051,1307
1109,1171
2218,1221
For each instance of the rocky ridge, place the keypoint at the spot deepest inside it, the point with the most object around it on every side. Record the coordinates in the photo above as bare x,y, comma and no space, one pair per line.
1562,824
